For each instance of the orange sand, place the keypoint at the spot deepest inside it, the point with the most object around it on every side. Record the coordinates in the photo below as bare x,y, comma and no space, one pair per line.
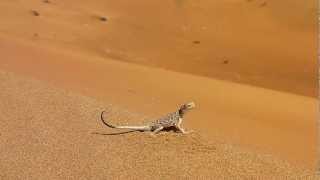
67,46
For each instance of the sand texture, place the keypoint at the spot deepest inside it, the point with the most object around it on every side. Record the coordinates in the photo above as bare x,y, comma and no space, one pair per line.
249,65
48,133
266,43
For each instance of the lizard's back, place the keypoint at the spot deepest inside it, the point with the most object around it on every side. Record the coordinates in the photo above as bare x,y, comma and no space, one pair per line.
168,120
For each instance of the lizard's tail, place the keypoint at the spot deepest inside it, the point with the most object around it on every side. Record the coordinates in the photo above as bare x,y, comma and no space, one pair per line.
138,128
104,122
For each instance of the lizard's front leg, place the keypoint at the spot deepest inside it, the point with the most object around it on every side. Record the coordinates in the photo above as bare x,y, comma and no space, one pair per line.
183,131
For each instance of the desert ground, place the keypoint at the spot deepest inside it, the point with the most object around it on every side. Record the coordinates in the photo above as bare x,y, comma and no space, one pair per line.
249,65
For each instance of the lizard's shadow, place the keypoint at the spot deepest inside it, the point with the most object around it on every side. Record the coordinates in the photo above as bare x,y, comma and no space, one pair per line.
113,134
132,131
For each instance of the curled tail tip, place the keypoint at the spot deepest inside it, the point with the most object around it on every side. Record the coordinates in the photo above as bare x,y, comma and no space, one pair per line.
105,123
101,116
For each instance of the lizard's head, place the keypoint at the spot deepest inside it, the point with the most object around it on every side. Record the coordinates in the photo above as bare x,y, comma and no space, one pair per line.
189,105
186,107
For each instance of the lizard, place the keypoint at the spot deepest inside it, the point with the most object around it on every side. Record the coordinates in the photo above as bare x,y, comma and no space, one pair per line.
173,119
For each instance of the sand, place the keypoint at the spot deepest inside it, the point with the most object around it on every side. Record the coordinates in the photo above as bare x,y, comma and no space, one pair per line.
266,43
49,133
63,62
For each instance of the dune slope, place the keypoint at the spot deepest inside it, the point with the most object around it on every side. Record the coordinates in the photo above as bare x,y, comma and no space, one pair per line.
189,50
274,122
266,43
52,133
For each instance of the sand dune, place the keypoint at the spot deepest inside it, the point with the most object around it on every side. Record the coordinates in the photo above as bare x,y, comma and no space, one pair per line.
248,65
273,121
266,43
56,134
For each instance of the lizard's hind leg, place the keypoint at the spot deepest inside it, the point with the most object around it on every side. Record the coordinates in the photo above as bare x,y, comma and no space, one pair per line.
153,133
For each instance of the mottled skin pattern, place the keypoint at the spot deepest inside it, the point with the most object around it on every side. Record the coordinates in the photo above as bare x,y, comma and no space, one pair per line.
173,119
